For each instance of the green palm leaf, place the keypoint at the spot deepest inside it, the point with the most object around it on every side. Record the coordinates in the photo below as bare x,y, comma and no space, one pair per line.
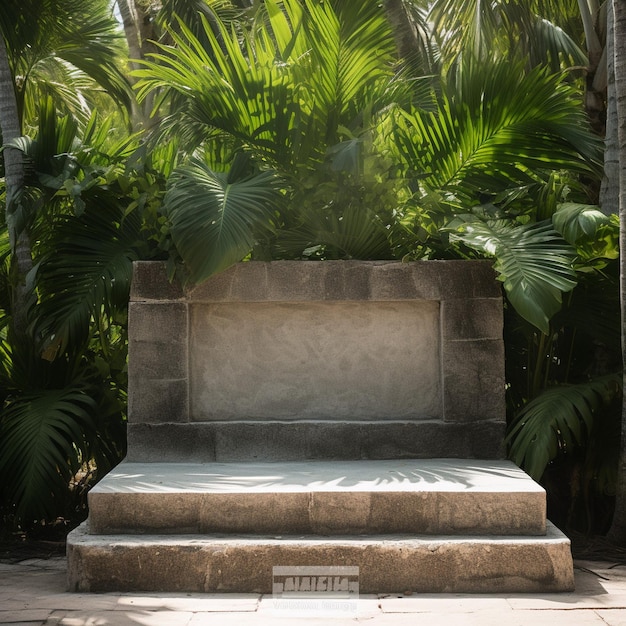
532,261
496,128
86,269
216,218
42,435
541,33
559,420
284,89
329,233
59,47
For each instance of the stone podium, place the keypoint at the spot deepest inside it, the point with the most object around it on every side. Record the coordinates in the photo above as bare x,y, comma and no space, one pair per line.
318,413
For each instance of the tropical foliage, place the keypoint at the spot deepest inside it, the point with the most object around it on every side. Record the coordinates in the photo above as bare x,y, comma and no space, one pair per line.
294,129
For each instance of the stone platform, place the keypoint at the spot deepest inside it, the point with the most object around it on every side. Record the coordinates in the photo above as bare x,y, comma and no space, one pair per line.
433,525
318,414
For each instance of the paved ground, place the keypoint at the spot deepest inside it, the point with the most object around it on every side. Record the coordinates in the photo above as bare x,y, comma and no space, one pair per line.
32,592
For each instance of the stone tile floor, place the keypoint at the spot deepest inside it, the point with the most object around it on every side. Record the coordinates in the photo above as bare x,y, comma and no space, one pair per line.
33,593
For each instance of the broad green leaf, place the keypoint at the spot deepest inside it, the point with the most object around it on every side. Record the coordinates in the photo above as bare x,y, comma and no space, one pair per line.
215,221
532,261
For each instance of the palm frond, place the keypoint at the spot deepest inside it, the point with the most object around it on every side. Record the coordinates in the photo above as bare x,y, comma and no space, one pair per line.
560,420
351,232
66,41
86,269
496,128
42,435
532,261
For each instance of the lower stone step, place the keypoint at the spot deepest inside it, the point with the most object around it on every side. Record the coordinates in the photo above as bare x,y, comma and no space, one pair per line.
386,563
426,496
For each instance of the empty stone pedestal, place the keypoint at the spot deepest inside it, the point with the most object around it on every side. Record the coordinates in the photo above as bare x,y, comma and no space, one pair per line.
318,414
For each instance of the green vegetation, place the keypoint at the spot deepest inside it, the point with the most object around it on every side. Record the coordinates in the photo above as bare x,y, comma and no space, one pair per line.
297,129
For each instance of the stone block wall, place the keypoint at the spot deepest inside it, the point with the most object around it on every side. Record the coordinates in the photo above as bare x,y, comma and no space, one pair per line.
337,359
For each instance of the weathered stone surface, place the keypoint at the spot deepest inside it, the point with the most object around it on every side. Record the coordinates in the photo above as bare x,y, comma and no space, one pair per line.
150,283
478,318
387,564
158,362
289,281
473,380
203,442
153,400
344,341
431,496
331,361
301,362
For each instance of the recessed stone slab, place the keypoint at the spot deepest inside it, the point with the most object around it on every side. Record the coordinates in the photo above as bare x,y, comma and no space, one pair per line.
387,563
429,496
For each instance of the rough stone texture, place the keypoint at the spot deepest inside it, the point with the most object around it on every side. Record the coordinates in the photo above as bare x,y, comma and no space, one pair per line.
298,281
433,496
204,442
346,342
297,361
473,381
150,282
324,361
158,369
387,564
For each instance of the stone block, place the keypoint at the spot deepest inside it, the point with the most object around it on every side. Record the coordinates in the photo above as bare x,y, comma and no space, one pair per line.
170,442
298,281
332,361
204,442
164,322
157,400
387,564
430,496
150,282
472,319
473,380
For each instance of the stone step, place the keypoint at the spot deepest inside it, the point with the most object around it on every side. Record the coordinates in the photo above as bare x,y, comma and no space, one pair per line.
428,496
387,563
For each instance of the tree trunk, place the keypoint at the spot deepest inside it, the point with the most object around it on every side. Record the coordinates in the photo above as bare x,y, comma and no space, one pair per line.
14,181
609,190
404,31
617,532
138,27
10,128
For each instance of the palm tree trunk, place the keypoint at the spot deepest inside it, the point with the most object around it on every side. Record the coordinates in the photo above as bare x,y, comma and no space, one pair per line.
10,128
609,190
14,180
137,28
617,532
404,31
